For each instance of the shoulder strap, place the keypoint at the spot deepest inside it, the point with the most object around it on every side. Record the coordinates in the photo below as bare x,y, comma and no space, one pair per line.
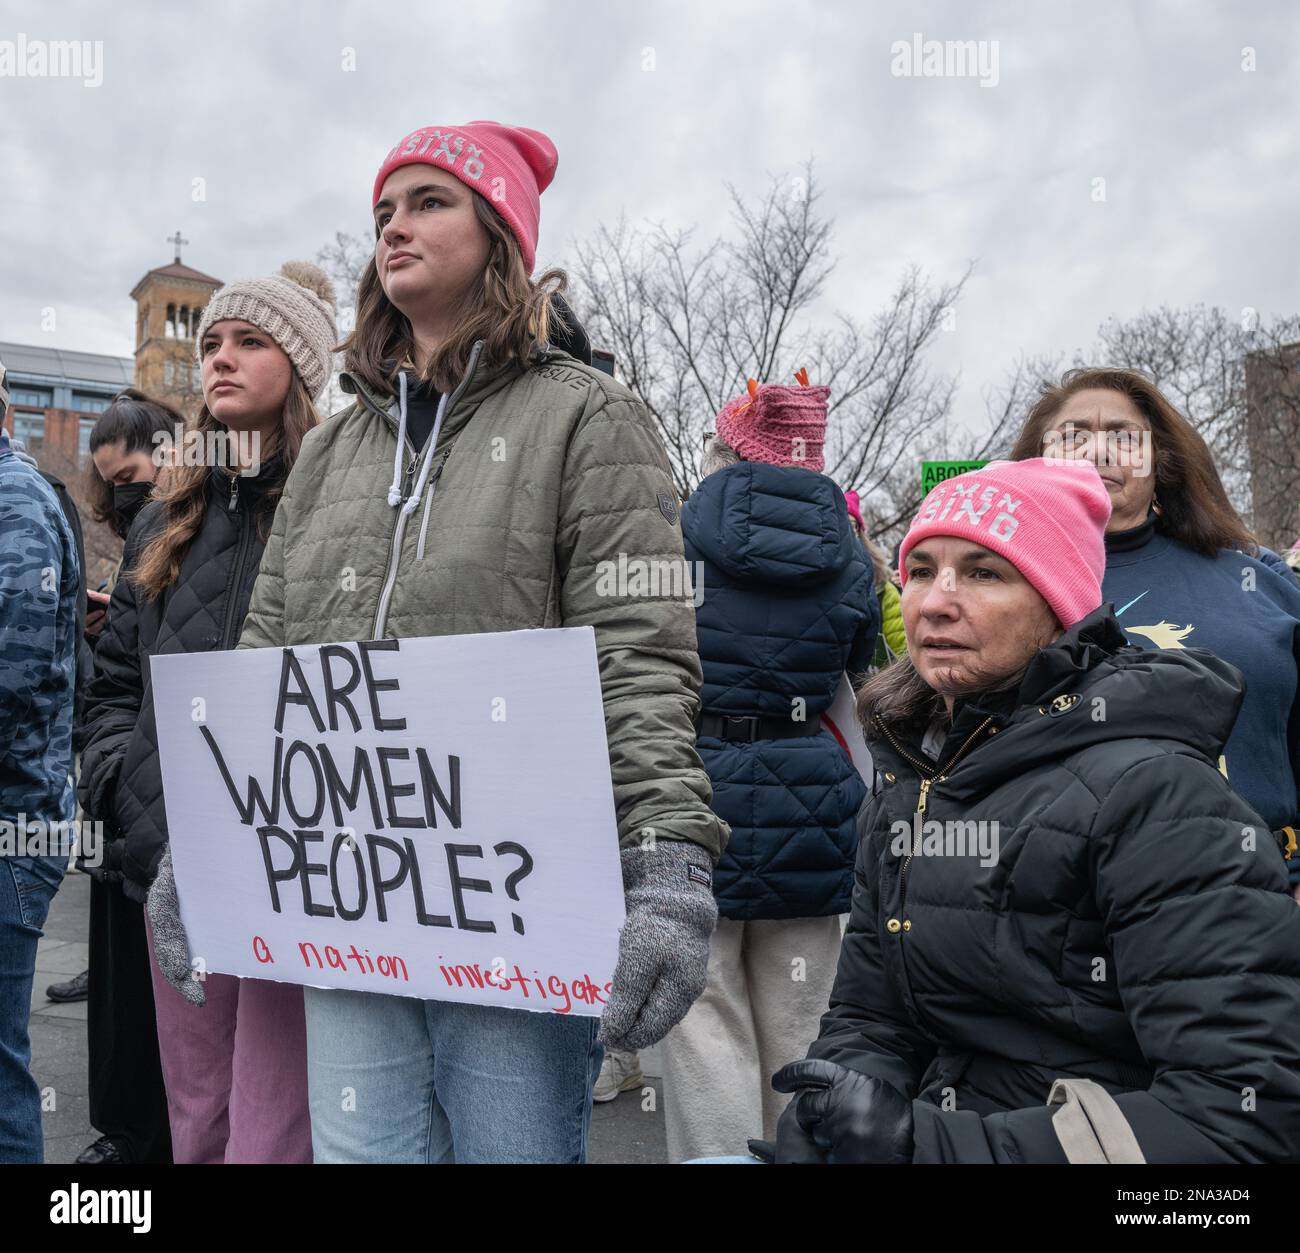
1090,1125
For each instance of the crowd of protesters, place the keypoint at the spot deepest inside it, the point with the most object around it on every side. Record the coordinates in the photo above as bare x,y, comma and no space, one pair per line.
1080,652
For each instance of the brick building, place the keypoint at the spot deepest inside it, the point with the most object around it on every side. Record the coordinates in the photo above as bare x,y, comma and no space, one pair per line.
56,395
169,304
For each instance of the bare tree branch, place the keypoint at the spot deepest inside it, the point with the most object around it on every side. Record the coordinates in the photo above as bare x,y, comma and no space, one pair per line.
689,321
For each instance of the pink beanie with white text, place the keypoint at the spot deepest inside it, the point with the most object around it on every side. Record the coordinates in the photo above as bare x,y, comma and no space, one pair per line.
1048,518
509,166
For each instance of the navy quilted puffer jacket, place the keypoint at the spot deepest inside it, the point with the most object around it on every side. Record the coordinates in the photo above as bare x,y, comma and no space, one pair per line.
787,606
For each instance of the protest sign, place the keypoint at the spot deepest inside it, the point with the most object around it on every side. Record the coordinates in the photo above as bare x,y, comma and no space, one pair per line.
425,817
841,720
935,472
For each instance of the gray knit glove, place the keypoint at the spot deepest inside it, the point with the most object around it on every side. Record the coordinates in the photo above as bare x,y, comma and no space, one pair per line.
171,947
663,951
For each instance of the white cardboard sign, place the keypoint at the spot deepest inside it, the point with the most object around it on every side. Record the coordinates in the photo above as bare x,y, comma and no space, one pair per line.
841,719
421,817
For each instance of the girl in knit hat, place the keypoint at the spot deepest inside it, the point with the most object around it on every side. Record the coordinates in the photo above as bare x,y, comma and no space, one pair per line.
1070,939
233,1050
483,480
787,607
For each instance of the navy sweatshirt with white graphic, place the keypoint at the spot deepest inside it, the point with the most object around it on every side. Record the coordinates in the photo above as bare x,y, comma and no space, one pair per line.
1245,609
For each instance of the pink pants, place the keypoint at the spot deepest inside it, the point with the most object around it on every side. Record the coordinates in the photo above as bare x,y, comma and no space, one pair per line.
235,1069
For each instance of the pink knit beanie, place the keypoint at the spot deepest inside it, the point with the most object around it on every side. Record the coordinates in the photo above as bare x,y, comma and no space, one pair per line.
783,426
1048,518
853,502
509,166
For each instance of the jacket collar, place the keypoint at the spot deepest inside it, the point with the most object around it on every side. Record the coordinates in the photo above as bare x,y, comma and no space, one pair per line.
1052,670
1067,659
486,380
1089,687
253,488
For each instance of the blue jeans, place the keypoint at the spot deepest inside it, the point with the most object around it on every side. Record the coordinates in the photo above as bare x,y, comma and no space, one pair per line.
394,1079
27,886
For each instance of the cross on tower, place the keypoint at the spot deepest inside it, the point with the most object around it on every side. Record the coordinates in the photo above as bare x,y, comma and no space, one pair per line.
178,241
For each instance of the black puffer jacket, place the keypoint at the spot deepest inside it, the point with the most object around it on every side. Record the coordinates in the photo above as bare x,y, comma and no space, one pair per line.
121,780
1133,927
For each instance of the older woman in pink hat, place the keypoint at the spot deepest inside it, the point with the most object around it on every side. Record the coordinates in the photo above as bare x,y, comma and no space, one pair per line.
1070,940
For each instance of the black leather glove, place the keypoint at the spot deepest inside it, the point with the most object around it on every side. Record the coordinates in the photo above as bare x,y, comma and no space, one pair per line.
839,1115
794,1146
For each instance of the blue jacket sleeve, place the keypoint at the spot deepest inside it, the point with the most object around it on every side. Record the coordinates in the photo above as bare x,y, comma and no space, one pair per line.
31,570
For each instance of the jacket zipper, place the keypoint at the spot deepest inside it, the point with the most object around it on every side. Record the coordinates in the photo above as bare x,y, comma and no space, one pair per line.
399,523
929,777
241,555
428,504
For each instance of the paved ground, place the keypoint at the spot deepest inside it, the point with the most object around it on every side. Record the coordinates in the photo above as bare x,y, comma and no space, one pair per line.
621,1131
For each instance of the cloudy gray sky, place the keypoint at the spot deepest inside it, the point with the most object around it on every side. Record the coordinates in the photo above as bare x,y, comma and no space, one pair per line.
1199,156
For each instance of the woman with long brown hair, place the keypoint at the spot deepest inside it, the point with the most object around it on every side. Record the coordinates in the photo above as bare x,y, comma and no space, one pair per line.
232,1051
1183,570
544,469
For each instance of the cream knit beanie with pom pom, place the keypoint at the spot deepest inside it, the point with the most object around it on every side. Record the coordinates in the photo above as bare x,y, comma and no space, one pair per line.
295,308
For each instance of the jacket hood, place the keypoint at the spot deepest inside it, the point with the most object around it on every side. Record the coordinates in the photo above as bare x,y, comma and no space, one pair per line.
569,334
774,524
1090,687
570,338
456,408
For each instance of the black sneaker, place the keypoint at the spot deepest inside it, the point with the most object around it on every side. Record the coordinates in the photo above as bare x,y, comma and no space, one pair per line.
75,989
104,1152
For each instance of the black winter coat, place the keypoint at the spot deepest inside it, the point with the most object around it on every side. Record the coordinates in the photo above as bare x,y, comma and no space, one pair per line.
203,611
1134,926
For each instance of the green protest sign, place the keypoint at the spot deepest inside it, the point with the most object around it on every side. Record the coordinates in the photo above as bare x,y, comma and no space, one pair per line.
935,472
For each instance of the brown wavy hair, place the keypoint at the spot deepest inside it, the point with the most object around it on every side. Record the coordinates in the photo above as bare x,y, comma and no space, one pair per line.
1194,508
507,309
183,491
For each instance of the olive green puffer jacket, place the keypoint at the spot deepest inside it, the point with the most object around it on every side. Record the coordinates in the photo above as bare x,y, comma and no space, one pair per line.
537,477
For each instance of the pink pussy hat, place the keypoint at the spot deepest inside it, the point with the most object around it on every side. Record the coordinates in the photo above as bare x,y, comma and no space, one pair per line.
783,426
1048,518
509,166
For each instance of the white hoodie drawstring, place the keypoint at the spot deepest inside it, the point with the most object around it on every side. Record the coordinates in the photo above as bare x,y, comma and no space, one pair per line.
427,464
395,492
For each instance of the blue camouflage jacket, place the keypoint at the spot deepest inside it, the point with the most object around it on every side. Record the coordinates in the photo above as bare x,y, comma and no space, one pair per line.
39,579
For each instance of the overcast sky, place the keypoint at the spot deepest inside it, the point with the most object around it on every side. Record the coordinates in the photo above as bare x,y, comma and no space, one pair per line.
1199,156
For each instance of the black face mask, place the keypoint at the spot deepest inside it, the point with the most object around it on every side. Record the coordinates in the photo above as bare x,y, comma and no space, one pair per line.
128,500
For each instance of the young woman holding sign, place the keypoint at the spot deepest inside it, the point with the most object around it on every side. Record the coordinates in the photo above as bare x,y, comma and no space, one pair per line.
544,468
233,1051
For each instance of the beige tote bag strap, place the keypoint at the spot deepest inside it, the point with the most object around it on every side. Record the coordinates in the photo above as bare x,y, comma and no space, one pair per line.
1090,1125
